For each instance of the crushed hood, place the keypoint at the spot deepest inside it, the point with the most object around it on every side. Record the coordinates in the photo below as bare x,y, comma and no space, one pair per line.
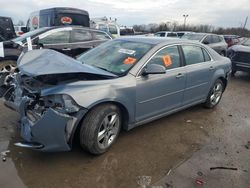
241,48
48,62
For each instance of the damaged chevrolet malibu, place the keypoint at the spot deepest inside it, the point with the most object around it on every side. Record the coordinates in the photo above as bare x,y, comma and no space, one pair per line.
118,85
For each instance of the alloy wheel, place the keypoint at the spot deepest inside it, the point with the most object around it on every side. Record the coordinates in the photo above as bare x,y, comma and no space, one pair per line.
216,93
108,130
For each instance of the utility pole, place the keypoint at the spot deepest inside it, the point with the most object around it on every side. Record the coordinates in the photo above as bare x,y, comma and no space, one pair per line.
185,19
245,23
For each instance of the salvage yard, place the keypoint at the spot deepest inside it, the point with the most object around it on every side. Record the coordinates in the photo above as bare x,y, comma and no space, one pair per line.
180,150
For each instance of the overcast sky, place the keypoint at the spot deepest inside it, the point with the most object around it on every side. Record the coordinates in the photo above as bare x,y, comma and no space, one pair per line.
225,13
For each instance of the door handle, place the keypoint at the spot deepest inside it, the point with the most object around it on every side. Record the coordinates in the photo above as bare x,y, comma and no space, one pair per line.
66,49
211,68
179,75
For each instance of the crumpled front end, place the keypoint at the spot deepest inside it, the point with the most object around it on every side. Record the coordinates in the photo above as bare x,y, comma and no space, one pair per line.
48,123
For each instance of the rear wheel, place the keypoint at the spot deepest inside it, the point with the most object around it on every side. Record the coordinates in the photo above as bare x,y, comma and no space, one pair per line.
100,128
215,94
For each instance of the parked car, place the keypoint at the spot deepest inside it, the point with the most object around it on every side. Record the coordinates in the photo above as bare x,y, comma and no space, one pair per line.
69,40
166,34
107,25
240,57
20,30
57,16
118,85
232,39
7,28
216,42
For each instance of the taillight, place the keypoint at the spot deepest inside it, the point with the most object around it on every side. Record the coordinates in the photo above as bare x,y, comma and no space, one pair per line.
20,33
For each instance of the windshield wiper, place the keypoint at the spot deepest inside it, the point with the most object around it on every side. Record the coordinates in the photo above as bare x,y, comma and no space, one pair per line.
105,70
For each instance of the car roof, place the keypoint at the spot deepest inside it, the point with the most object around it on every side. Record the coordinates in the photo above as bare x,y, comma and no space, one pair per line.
75,27
154,40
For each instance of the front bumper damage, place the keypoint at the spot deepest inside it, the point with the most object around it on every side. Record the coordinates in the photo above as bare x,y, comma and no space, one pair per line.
53,131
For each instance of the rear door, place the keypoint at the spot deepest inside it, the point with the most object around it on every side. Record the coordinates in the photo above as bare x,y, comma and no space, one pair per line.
199,70
159,93
81,41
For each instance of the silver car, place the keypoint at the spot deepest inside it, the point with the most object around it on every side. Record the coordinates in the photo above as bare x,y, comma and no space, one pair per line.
214,41
118,85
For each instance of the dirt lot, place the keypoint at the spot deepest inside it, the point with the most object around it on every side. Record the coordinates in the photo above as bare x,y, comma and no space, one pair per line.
176,151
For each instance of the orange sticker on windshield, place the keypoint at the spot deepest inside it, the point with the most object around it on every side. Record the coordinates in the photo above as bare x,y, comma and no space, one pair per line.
129,61
167,60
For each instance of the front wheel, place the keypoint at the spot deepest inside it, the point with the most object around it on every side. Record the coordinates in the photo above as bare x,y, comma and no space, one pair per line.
215,94
8,66
100,128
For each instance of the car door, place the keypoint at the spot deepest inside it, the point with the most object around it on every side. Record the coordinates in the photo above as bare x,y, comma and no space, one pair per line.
100,37
81,41
199,71
56,39
159,93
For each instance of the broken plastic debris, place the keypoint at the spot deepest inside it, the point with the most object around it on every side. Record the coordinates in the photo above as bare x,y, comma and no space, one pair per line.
4,153
199,182
169,172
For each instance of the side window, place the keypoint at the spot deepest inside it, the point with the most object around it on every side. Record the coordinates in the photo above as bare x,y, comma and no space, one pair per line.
206,56
172,35
81,35
56,38
162,34
216,39
168,57
193,54
208,40
101,36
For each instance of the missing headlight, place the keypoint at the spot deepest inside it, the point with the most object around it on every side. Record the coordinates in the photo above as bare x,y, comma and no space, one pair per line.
62,103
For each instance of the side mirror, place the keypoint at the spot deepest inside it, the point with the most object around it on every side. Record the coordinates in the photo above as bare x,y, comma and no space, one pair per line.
154,69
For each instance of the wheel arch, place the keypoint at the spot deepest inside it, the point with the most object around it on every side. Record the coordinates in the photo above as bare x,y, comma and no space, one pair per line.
124,112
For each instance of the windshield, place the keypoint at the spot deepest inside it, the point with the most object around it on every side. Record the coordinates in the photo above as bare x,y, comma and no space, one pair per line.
29,34
116,56
246,43
193,36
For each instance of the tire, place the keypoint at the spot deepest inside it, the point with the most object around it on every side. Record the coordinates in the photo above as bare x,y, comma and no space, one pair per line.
8,66
215,94
233,73
99,122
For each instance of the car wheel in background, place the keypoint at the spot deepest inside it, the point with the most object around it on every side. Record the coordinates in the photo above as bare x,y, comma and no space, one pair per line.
8,66
100,128
215,94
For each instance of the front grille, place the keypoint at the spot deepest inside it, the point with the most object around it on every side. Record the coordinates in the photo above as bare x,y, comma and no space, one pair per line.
243,57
